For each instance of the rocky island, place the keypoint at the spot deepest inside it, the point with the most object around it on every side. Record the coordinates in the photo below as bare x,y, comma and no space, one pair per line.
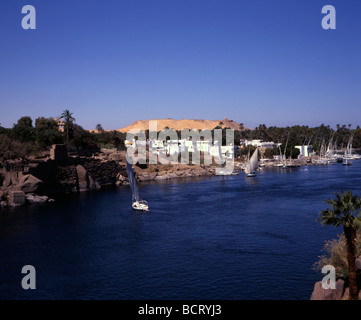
38,180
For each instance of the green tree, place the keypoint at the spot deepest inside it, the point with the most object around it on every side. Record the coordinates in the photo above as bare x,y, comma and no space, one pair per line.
68,120
47,132
14,149
346,211
24,131
82,138
290,151
9,149
269,153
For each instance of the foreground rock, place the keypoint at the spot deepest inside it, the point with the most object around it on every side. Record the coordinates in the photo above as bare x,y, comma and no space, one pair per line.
33,198
320,293
83,178
29,183
16,198
341,292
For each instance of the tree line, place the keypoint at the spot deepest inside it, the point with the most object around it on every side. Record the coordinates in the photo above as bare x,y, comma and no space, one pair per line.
305,135
27,138
289,137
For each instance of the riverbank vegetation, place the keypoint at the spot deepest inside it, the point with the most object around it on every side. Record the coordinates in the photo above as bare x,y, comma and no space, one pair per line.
28,137
335,254
345,211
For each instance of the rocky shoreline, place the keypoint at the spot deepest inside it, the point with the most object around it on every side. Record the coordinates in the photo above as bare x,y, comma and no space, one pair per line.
39,179
36,181
42,179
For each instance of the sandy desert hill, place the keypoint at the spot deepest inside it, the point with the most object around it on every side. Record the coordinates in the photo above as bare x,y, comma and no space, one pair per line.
183,124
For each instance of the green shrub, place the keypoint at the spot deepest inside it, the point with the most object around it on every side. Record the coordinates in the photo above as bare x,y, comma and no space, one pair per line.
336,255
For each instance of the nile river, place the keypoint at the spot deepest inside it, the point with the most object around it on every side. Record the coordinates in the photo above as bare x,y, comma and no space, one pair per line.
228,238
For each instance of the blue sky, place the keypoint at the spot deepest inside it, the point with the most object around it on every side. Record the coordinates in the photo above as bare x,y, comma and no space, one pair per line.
114,62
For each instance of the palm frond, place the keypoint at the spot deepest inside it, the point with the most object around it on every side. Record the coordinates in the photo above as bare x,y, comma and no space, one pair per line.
345,207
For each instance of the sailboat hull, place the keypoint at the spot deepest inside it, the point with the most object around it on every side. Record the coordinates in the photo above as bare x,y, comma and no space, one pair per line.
251,174
140,206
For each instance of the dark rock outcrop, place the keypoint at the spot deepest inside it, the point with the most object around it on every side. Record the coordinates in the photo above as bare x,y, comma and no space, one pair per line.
29,183
11,178
16,198
83,179
79,174
103,172
66,179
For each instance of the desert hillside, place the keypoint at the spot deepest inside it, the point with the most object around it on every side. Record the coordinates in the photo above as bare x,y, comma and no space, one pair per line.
183,124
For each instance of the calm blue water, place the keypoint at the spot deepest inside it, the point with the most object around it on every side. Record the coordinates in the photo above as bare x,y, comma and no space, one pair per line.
207,238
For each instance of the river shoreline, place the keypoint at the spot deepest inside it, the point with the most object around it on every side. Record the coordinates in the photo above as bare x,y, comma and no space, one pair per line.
39,180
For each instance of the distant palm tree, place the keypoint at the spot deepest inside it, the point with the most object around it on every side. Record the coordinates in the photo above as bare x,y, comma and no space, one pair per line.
99,128
68,120
346,210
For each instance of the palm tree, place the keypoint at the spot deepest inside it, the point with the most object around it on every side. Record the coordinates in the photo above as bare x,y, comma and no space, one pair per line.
68,119
99,128
346,210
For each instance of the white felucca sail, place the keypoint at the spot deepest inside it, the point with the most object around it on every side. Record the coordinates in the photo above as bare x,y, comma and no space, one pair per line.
137,202
252,164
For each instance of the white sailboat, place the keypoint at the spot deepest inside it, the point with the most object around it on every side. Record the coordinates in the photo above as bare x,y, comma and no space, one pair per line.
252,164
262,164
280,161
346,161
330,152
284,165
137,202
223,171
322,160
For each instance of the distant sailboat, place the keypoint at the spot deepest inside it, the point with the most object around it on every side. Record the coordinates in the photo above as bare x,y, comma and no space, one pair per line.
137,202
346,161
252,164
280,162
331,151
223,171
262,164
284,165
